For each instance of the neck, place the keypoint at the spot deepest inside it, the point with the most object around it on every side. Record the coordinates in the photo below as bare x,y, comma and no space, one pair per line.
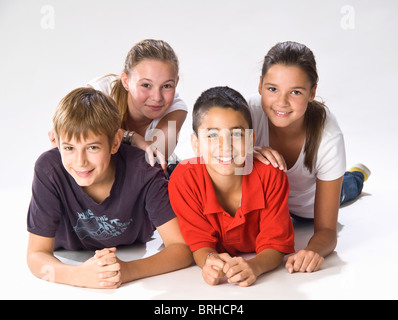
225,185
135,120
293,131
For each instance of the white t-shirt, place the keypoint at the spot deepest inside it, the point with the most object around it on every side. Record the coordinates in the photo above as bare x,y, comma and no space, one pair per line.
330,162
105,85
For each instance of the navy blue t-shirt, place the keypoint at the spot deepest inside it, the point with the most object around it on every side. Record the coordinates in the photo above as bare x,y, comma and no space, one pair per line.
137,204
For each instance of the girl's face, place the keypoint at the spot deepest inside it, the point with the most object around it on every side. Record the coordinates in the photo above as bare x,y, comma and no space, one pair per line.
285,93
151,85
223,141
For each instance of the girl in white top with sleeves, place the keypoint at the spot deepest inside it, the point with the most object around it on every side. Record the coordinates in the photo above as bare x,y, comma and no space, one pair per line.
309,146
152,112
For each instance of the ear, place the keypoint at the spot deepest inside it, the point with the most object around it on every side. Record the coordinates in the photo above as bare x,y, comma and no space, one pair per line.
178,79
313,92
260,85
125,80
195,144
117,140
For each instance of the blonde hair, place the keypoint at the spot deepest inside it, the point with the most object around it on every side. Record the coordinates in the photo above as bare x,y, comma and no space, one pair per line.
86,110
145,49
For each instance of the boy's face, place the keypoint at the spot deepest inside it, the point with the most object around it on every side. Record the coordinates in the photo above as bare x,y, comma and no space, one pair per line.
88,161
223,140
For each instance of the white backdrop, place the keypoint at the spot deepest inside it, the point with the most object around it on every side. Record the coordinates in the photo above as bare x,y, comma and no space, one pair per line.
48,48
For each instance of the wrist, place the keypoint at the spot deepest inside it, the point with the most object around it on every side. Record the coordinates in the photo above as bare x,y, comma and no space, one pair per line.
128,137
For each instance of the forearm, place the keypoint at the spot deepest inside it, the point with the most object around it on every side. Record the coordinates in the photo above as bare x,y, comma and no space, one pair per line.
265,261
323,242
175,256
46,267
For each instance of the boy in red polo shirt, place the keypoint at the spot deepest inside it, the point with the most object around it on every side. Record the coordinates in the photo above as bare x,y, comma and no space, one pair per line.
227,202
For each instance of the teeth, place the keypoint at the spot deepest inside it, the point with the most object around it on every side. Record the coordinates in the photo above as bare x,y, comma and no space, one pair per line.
281,113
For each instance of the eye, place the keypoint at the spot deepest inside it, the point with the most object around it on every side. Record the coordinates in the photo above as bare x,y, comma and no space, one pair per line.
93,148
212,135
296,92
272,89
238,134
146,85
68,148
168,86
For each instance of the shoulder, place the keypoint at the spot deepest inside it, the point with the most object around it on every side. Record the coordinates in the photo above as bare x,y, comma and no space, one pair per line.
104,83
188,169
267,173
331,127
48,161
178,104
331,156
254,103
332,135
190,174
134,159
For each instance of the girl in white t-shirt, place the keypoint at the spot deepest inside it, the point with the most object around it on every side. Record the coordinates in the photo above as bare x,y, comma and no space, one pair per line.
309,146
152,112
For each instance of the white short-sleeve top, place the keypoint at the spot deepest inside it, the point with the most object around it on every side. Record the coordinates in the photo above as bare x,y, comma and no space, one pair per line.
330,162
105,85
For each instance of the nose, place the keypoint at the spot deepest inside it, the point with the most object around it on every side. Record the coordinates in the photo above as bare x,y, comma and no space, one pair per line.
156,95
81,158
283,100
225,143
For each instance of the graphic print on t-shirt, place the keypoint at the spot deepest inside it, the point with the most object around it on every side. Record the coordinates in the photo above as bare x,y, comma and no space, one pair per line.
99,228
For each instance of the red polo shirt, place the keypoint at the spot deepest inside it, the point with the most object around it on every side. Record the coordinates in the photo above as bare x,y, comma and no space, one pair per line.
262,221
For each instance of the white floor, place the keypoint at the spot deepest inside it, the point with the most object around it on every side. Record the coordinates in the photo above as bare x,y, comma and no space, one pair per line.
357,67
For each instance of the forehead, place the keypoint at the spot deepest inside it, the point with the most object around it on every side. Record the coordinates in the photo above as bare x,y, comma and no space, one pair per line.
223,118
82,139
154,69
287,75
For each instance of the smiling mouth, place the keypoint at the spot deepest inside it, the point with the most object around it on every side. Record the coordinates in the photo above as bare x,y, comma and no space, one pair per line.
84,174
225,160
281,113
155,108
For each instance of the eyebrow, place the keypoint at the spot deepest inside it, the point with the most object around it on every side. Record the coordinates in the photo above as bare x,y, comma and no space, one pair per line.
146,79
87,144
275,85
233,128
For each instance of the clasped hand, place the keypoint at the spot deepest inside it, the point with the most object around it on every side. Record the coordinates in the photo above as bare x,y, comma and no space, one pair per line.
237,270
103,270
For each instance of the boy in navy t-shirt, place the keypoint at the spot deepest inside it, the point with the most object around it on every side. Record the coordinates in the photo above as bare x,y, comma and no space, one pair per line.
94,193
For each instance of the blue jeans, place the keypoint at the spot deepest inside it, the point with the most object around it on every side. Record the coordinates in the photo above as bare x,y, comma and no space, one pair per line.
352,186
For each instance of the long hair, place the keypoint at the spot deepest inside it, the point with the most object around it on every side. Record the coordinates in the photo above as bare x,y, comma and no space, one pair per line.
145,49
295,54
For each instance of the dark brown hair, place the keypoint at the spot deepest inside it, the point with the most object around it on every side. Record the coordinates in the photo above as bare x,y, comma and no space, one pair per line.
223,97
295,54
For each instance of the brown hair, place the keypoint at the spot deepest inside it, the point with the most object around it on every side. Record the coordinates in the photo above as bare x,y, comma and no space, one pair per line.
295,54
84,110
146,49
